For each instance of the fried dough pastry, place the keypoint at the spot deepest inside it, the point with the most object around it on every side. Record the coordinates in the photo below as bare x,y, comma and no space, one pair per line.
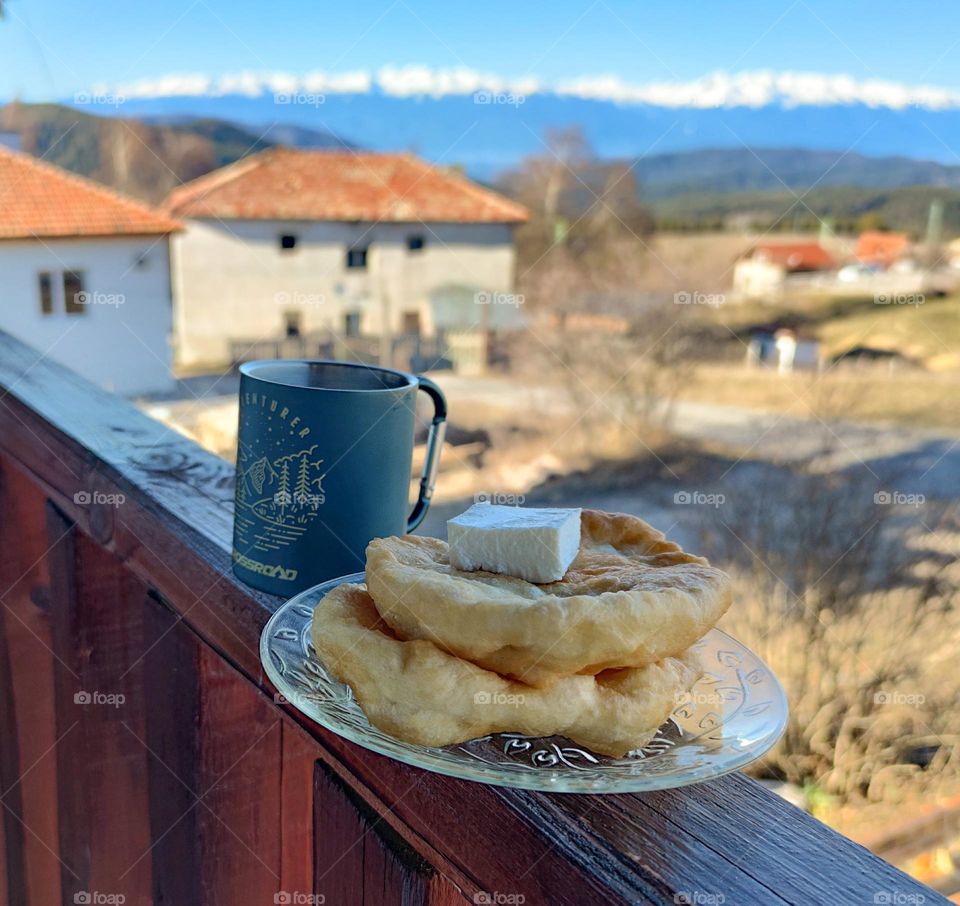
630,598
418,693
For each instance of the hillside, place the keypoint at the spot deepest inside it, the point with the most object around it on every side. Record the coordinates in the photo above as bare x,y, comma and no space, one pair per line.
918,390
773,169
849,209
144,159
787,189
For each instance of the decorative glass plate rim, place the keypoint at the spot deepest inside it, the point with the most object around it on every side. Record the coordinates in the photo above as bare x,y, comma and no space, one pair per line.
557,770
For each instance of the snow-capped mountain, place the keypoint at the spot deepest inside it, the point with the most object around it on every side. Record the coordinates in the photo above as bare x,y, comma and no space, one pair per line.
488,123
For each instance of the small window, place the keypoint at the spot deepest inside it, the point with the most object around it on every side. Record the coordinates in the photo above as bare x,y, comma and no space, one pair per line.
292,322
411,322
415,243
357,259
45,285
288,242
74,297
351,324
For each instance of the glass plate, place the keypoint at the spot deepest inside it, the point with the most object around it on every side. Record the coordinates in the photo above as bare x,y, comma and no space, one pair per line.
734,713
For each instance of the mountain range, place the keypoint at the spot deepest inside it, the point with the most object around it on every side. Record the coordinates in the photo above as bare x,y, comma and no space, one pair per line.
758,169
703,165
488,132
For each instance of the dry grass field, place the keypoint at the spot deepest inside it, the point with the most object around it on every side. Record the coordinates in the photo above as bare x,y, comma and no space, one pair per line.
877,394
927,334
919,389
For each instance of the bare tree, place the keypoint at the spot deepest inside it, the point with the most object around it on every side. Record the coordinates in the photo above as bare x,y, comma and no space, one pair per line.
586,220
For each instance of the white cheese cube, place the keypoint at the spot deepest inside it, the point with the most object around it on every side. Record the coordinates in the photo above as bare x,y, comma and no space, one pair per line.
533,544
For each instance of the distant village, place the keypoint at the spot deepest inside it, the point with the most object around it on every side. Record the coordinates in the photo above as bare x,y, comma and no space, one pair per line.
876,263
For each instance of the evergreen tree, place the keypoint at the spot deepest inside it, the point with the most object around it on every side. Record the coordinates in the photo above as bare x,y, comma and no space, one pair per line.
302,490
283,491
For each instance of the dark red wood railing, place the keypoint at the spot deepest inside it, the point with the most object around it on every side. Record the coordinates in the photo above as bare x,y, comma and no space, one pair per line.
143,758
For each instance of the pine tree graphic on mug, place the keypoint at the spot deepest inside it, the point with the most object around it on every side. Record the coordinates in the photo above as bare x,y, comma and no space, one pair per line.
278,497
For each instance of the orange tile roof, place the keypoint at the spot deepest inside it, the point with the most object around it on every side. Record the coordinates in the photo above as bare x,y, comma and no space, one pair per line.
874,247
290,184
795,256
40,200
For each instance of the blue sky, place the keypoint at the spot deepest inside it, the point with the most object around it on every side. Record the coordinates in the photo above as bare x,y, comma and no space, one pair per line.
52,49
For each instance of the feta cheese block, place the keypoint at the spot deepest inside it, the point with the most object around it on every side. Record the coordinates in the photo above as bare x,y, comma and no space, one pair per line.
533,544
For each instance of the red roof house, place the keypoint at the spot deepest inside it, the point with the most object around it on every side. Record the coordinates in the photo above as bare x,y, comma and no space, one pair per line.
291,184
38,199
794,257
881,249
333,243
86,275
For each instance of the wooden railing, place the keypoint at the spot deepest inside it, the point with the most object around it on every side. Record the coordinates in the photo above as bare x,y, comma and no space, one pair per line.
402,351
144,759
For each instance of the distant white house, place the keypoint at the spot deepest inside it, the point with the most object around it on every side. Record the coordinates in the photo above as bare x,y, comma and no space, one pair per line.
292,243
85,275
764,269
784,348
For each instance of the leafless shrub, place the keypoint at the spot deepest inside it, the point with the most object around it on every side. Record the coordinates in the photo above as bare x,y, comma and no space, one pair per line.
621,363
852,601
622,355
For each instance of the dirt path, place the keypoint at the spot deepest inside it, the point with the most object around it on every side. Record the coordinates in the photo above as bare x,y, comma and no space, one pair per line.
921,460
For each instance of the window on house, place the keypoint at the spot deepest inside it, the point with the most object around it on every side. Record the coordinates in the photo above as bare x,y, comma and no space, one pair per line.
45,286
292,322
357,259
411,322
415,243
351,324
73,300
288,242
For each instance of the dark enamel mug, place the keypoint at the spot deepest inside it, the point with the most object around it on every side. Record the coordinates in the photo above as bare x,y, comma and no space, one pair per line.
324,458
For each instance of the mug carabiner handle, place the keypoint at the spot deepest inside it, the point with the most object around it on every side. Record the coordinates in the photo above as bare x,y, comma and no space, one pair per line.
438,430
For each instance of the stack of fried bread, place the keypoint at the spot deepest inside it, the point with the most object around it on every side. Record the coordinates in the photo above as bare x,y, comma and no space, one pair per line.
436,655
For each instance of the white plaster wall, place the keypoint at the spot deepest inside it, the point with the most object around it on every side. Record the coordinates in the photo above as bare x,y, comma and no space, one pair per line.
123,346
756,277
233,281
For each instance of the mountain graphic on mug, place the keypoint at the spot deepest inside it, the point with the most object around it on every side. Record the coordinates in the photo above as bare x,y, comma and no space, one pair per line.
277,499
